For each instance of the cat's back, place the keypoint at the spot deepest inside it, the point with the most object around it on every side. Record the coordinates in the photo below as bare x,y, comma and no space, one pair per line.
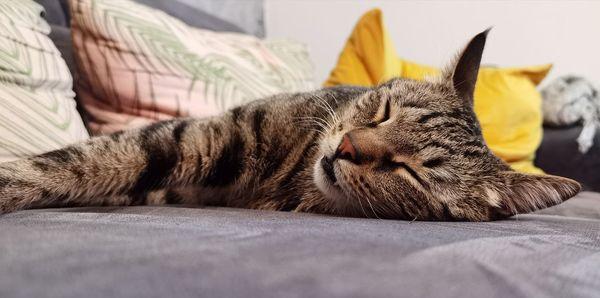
309,102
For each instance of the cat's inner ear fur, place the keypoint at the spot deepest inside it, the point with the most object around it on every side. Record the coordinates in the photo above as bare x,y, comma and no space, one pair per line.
463,73
515,193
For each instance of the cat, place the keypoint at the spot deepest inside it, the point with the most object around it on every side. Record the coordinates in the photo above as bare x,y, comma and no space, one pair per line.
402,150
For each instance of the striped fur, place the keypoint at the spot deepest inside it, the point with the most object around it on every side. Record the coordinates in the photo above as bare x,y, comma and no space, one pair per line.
404,150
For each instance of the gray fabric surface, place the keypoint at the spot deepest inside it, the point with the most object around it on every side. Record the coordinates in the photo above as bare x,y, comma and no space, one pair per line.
220,252
586,205
61,37
53,12
558,154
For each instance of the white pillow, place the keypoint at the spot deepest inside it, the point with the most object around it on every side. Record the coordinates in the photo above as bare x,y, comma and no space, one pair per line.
37,107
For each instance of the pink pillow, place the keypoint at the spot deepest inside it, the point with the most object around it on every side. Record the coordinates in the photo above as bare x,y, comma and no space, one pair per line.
138,65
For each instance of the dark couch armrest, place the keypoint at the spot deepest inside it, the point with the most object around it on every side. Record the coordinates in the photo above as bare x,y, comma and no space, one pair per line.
558,155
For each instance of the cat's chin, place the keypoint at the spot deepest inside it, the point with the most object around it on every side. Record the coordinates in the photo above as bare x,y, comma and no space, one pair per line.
334,193
326,185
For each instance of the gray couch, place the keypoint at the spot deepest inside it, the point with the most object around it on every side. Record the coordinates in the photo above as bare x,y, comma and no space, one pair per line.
187,251
180,251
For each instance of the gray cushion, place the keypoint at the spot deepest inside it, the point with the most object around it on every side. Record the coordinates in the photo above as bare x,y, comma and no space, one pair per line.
54,13
220,252
61,37
558,155
193,16
247,14
57,12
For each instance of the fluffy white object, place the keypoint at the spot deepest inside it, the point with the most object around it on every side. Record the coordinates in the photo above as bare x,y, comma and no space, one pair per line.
572,100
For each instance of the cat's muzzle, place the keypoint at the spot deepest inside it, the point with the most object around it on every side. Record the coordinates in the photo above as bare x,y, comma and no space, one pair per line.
327,165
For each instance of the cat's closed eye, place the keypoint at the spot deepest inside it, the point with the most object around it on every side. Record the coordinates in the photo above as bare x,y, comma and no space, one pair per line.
434,162
392,165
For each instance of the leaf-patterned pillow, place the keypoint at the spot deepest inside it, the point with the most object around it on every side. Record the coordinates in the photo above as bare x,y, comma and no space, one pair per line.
138,65
37,110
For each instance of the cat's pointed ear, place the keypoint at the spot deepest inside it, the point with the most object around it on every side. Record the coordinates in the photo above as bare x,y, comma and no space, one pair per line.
516,193
464,73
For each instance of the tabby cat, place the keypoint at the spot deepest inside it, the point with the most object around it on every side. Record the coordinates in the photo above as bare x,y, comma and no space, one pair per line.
403,150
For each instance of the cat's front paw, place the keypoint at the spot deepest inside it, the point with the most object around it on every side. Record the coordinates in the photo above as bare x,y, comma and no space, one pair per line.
5,198
17,197
15,194
6,206
8,199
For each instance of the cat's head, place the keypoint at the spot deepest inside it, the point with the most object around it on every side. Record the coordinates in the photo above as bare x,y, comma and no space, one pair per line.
414,150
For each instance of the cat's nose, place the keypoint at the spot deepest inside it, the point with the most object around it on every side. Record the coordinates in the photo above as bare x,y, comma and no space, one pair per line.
346,149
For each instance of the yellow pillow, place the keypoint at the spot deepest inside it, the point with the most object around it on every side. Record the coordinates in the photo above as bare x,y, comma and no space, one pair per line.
507,103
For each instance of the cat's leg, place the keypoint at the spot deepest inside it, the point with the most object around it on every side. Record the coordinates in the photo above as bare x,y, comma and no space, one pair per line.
128,165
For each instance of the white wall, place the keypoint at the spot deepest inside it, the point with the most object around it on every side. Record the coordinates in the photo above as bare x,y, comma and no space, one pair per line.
566,33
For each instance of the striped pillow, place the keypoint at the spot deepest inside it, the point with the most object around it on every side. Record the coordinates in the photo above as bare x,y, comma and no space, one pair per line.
138,65
37,110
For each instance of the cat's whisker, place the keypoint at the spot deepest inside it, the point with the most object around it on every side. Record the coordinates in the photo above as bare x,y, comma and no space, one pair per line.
314,122
321,123
327,107
324,121
372,209
336,117
320,132
326,104
363,209
320,120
